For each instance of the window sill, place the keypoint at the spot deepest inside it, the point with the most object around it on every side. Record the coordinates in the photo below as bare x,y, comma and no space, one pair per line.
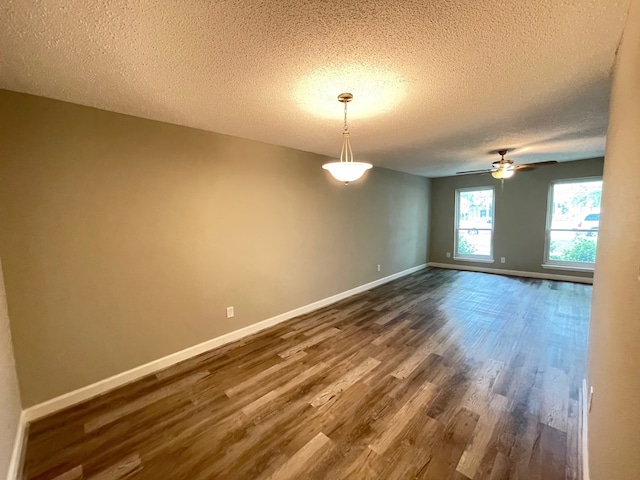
479,260
568,267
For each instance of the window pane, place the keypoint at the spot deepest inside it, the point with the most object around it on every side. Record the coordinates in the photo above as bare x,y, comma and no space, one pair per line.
475,209
573,246
474,227
474,242
576,205
574,221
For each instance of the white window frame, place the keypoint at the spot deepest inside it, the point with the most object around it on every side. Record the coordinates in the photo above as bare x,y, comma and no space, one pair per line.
456,228
563,264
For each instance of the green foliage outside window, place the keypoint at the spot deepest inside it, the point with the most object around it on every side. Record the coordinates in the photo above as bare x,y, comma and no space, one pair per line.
465,247
582,250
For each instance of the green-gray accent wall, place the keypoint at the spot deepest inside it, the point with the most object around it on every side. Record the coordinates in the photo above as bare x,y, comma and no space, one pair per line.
520,215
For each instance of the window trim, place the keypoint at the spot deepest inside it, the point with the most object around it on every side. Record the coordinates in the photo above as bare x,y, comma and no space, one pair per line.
563,264
470,257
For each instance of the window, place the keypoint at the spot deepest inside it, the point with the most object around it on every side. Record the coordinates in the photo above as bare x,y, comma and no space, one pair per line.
573,216
474,224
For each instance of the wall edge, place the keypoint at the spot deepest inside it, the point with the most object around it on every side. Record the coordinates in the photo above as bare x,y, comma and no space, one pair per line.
19,448
514,273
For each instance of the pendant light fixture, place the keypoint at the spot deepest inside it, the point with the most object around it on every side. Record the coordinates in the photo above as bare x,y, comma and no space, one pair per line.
346,170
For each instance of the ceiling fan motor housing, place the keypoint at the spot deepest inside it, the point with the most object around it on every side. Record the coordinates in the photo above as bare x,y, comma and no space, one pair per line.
502,162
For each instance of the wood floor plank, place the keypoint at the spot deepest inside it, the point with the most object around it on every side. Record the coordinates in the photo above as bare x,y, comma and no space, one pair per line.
550,452
310,321
119,470
489,415
362,466
424,377
73,474
141,402
555,402
264,401
297,464
450,446
500,467
402,418
355,420
392,333
310,342
409,456
260,377
410,364
345,382
387,317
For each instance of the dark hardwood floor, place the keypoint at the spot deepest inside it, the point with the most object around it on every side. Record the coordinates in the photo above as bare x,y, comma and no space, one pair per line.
439,375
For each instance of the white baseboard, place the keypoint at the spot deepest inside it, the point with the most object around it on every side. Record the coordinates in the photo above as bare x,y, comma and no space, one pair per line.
514,273
585,431
16,462
85,393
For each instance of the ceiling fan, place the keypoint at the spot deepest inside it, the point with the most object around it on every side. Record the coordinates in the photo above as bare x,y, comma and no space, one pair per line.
504,168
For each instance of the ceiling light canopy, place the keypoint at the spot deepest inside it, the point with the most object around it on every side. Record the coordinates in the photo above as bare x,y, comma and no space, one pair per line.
379,89
346,170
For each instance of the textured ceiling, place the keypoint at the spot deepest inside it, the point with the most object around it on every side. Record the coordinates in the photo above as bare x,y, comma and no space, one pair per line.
437,84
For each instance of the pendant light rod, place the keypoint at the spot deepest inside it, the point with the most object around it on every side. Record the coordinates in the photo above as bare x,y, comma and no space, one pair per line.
346,154
345,98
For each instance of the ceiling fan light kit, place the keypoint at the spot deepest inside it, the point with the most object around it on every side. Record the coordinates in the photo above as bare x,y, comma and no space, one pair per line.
504,168
502,174
346,170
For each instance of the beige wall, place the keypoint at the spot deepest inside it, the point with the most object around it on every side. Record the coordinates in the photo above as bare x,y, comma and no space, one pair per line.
124,239
614,340
9,394
520,215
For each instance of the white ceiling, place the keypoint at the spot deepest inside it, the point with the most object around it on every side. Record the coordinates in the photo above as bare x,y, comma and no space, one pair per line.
437,84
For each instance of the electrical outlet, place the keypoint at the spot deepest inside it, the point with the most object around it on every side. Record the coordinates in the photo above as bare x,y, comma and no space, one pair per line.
503,259
448,254
378,267
230,312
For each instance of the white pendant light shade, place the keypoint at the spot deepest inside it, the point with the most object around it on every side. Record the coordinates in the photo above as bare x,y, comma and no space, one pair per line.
347,171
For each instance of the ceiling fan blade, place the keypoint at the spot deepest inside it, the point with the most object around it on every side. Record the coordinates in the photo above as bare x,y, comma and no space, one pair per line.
531,166
471,172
